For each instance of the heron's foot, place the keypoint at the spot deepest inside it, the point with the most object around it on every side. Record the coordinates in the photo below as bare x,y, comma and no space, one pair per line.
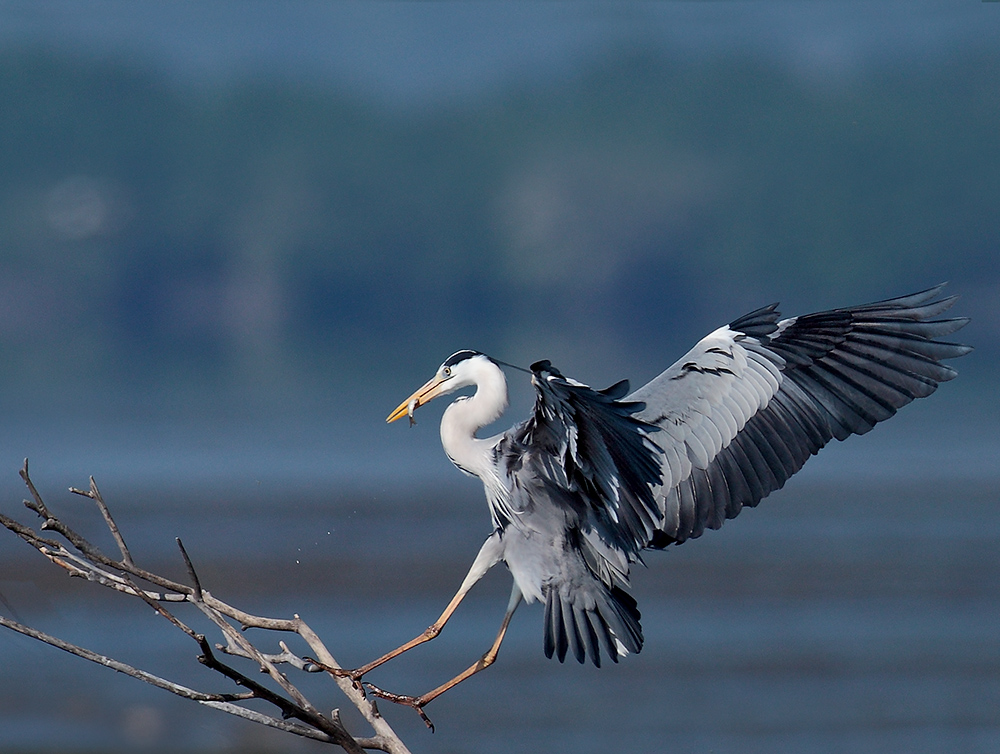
416,702
354,675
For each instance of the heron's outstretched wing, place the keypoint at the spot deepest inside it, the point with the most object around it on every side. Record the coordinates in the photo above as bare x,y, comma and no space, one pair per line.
746,407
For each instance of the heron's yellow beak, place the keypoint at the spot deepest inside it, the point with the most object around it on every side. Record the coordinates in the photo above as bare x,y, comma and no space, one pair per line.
430,390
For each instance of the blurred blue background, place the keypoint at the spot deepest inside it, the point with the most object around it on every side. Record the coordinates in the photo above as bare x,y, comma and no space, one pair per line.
233,236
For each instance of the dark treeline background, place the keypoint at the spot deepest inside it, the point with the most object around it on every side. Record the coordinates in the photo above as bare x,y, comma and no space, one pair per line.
271,241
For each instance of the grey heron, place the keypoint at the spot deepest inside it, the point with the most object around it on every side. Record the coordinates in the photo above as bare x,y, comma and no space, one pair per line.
594,477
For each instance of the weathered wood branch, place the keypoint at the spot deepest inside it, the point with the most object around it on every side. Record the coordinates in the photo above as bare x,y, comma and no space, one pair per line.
296,714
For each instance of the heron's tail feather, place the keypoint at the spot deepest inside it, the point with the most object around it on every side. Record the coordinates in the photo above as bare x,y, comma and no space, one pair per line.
584,621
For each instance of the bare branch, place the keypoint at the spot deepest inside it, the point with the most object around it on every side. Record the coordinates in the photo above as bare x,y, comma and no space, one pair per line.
162,611
95,495
298,715
285,725
285,656
222,702
27,534
195,581
120,667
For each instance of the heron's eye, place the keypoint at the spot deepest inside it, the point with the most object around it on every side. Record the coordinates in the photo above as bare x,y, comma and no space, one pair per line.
446,371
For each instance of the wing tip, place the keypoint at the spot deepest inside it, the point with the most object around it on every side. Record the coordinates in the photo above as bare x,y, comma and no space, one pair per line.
759,322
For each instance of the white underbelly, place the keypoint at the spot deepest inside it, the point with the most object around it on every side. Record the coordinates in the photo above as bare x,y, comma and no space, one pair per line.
528,556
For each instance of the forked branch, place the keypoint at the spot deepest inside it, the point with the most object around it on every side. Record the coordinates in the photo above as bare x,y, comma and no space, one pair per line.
294,712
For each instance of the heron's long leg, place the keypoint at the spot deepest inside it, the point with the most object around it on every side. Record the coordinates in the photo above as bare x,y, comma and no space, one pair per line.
486,660
418,702
489,556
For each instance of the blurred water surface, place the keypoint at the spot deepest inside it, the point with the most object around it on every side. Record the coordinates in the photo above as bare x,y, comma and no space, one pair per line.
842,615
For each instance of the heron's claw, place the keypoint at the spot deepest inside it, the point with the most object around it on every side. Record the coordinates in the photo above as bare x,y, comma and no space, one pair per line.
354,675
416,702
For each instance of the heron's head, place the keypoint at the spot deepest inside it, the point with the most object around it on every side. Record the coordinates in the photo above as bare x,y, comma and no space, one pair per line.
459,370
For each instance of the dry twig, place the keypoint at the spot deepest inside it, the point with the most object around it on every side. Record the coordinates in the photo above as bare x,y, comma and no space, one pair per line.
297,714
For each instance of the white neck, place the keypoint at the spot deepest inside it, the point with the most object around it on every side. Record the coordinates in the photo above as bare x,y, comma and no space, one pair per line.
467,415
